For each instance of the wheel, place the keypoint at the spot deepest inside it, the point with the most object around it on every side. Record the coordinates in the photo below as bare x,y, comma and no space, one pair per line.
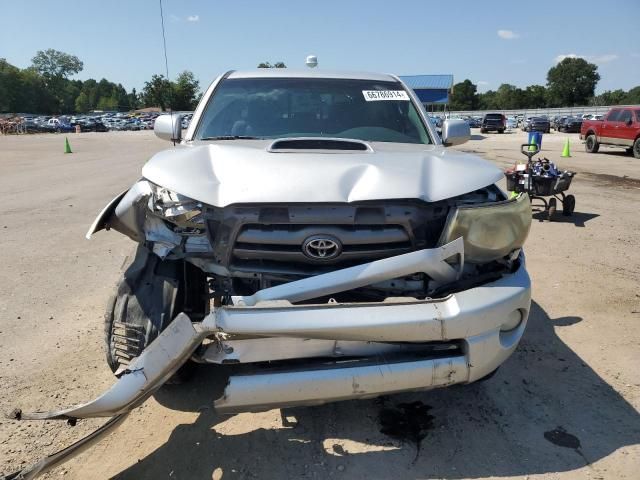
149,295
636,148
482,130
501,131
548,130
568,205
552,208
591,145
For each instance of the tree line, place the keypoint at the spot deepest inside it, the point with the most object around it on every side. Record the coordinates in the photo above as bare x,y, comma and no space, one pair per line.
572,82
45,87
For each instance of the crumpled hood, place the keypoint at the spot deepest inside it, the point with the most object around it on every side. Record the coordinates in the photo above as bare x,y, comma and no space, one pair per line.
245,171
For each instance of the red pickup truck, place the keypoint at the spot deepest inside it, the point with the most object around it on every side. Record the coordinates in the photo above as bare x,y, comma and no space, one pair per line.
620,127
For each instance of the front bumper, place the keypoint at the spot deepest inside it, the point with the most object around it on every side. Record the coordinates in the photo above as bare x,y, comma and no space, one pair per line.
473,317
380,348
379,331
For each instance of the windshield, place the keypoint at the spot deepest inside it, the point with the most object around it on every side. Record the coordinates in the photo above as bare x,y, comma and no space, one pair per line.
366,110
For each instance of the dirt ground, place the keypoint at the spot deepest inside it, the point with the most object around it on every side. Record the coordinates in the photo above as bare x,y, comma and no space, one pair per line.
564,406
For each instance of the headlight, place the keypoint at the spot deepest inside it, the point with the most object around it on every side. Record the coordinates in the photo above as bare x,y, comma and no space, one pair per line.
490,230
181,211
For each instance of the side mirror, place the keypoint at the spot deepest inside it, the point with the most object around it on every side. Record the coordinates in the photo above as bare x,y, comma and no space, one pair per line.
455,132
169,127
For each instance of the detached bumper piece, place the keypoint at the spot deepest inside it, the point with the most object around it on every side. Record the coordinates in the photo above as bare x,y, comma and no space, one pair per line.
322,384
71,451
387,334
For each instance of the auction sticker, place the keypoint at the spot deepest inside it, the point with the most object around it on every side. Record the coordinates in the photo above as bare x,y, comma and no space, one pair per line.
379,95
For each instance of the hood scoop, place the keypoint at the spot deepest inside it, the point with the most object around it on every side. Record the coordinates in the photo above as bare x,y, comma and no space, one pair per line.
314,143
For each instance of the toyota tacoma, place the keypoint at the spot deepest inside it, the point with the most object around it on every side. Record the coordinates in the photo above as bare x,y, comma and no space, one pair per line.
311,236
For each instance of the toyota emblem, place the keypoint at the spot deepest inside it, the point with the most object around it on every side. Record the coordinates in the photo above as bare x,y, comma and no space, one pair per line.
322,247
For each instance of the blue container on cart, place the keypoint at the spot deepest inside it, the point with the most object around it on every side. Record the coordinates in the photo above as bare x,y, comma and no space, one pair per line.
535,137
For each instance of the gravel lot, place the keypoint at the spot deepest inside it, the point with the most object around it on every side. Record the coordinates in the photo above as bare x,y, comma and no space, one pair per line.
566,405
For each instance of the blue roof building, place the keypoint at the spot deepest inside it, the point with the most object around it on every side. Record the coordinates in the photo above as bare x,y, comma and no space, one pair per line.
430,89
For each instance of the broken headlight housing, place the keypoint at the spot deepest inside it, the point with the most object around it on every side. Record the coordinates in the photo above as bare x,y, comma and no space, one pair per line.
183,214
490,230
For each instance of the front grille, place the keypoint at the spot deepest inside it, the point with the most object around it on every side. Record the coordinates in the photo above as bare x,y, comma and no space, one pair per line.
270,238
283,243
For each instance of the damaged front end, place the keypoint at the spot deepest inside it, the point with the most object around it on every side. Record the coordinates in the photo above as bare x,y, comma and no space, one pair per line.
420,296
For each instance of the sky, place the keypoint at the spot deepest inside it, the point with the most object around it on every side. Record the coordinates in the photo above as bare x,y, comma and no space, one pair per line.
490,42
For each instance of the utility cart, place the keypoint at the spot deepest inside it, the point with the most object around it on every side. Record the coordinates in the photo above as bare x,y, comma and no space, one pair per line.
540,179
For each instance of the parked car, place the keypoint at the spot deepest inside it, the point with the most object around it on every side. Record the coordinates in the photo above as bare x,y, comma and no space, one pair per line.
570,125
493,122
538,124
301,235
557,120
512,122
525,123
620,127
473,122
59,125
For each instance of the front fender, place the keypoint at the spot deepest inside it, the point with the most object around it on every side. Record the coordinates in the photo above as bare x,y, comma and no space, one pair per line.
125,213
100,223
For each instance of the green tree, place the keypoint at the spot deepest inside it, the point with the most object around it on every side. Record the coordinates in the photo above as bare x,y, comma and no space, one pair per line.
55,67
633,96
108,103
185,91
464,96
535,96
82,103
488,100
56,64
269,65
134,101
157,92
615,97
572,82
10,83
509,97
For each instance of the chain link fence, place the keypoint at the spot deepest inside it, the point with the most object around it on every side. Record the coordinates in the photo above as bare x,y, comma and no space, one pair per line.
536,112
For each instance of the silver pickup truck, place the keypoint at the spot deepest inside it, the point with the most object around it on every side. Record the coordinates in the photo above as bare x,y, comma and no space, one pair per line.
312,235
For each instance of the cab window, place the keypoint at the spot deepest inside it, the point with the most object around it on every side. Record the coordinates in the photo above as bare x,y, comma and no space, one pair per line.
614,115
625,116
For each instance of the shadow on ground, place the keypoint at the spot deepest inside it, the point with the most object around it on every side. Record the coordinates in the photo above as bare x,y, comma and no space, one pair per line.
545,411
579,219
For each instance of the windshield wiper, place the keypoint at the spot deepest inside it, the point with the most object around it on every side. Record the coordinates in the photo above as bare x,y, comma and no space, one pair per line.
231,137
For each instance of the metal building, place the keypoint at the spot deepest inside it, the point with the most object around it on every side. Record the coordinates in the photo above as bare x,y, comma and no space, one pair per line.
432,90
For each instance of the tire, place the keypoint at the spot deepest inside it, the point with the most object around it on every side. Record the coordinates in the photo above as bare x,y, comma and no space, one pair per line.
501,131
552,208
482,130
591,145
568,205
636,148
149,295
548,130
